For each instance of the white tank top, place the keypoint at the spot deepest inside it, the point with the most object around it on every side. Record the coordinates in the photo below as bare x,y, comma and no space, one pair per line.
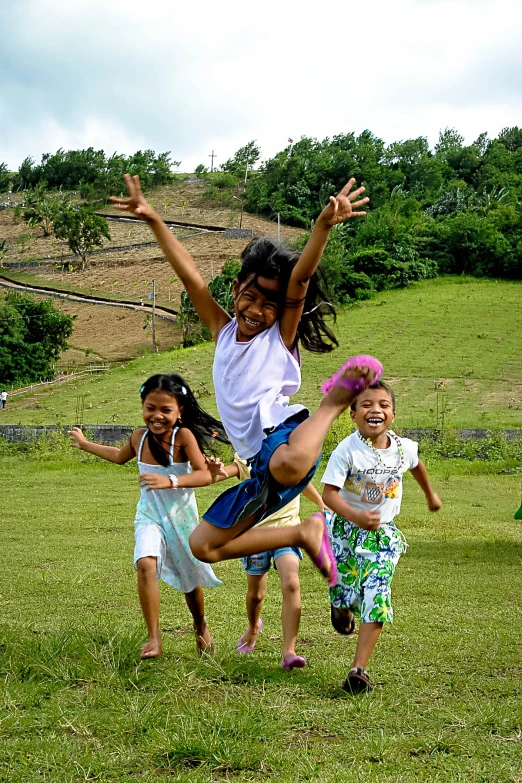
253,382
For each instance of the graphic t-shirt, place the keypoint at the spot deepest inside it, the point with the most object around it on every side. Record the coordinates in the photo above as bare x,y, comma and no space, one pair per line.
367,482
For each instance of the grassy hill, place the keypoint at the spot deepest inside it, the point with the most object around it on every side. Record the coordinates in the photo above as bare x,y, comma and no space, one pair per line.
450,346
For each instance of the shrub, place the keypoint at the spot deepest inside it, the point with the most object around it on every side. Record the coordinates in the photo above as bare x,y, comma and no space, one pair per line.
355,285
450,445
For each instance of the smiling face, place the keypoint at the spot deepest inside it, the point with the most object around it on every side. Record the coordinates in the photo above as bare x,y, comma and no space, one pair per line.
374,415
161,412
256,305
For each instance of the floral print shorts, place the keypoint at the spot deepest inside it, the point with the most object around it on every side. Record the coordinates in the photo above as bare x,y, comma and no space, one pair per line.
366,561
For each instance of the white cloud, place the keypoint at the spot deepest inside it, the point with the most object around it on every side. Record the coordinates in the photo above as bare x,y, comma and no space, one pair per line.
198,77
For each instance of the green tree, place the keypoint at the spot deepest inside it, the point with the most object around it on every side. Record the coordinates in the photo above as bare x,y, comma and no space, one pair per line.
42,208
27,176
245,156
32,336
192,328
5,177
83,230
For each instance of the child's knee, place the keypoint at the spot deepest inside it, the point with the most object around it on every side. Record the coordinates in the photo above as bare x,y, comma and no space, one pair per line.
256,594
200,548
286,466
290,584
146,566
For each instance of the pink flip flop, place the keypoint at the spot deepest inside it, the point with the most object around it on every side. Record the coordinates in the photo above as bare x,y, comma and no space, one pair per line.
294,662
353,384
245,649
325,551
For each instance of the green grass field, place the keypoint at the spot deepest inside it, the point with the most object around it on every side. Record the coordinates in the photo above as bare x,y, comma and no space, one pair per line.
76,705
449,343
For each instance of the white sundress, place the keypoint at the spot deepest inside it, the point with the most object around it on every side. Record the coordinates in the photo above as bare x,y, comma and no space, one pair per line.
165,518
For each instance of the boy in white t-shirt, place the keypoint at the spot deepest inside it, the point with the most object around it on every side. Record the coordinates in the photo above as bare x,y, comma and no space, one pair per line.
363,487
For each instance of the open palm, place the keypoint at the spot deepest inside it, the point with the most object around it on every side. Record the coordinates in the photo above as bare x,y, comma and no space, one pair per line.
345,205
136,203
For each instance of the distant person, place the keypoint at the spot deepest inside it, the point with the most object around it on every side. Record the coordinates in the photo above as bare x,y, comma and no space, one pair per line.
3,400
278,305
286,562
363,487
141,301
171,463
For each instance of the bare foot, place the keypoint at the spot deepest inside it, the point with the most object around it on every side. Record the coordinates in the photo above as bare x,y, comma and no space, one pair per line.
151,649
312,542
204,641
341,397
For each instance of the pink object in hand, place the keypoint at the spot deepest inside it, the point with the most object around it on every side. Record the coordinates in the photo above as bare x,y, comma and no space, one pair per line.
353,384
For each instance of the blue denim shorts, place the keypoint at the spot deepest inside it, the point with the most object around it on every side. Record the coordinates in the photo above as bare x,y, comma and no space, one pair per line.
257,565
260,493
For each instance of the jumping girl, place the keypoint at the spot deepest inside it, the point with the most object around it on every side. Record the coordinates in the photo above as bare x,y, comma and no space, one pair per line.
256,369
171,462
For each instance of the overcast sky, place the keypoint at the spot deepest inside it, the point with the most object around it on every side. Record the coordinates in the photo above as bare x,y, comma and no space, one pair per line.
192,77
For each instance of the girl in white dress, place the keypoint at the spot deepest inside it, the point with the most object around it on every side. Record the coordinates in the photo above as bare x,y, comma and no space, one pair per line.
171,463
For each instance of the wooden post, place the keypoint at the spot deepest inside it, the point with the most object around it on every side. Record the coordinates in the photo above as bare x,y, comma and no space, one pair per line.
154,346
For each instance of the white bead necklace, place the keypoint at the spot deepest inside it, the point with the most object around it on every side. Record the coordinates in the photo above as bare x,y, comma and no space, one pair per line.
400,449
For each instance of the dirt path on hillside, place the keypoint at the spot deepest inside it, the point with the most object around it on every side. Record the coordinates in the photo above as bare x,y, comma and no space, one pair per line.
71,296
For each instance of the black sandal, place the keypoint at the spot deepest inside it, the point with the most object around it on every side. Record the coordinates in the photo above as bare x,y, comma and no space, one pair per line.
358,681
342,620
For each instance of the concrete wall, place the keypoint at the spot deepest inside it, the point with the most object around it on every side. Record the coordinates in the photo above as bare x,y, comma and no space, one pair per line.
114,434
108,434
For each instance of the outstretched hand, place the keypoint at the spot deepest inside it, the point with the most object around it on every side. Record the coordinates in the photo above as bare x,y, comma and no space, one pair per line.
136,203
343,206
216,467
78,437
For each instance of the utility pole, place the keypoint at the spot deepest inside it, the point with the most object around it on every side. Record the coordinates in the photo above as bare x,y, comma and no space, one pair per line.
154,346
212,160
243,197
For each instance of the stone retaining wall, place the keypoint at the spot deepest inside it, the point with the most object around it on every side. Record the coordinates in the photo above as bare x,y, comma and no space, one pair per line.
113,434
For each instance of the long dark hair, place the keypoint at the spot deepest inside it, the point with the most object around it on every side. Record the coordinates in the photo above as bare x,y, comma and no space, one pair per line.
264,258
205,428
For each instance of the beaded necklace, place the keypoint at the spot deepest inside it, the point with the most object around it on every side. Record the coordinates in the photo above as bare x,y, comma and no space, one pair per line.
400,449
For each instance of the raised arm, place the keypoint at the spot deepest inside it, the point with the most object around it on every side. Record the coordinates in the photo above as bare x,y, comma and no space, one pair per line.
212,315
109,453
337,210
420,474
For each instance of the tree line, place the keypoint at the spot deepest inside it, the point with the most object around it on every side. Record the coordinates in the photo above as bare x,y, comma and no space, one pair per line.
451,210
90,172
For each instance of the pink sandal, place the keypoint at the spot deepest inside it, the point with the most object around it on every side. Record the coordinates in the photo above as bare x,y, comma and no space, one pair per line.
325,551
294,662
242,647
353,384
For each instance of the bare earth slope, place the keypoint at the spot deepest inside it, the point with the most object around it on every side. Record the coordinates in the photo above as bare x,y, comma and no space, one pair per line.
110,334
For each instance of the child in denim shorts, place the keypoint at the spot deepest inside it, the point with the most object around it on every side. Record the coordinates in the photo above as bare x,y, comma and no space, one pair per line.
363,486
286,563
